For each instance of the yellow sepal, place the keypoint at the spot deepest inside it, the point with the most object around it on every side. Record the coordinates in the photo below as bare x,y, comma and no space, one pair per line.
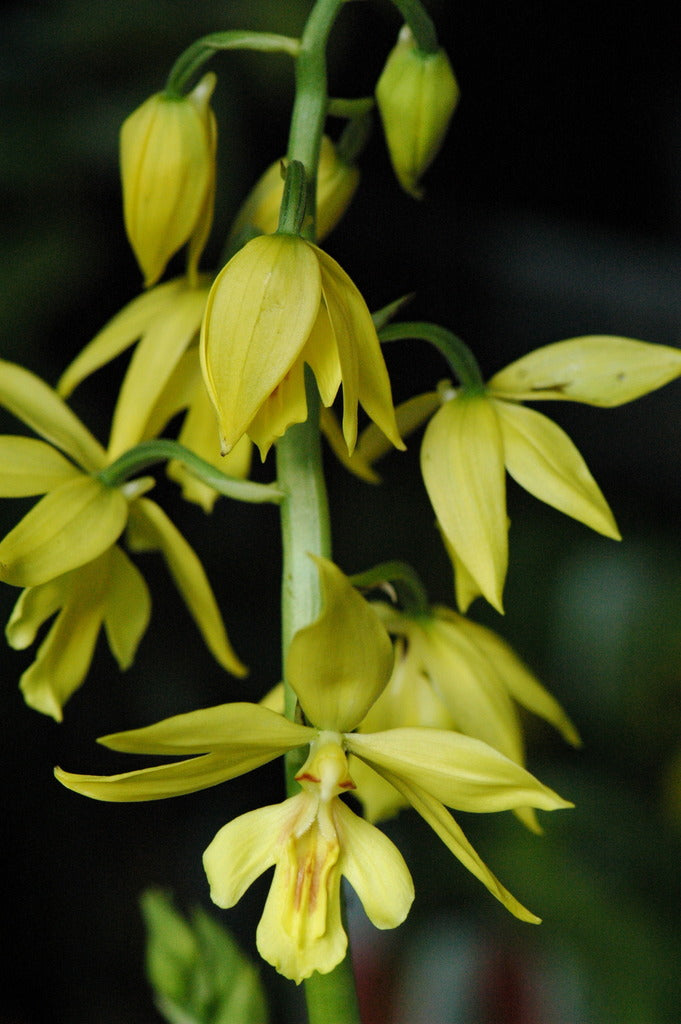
598,369
462,461
70,526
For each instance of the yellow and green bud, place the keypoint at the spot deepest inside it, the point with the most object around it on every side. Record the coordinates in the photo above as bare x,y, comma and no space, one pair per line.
168,170
416,94
337,183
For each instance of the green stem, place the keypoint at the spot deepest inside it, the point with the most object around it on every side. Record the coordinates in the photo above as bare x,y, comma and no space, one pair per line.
190,62
305,528
151,452
461,360
405,581
420,23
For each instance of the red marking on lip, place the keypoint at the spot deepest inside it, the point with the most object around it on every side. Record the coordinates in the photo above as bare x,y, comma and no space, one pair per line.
308,777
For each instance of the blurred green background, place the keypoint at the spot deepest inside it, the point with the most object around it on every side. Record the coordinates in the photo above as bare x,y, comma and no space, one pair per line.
554,211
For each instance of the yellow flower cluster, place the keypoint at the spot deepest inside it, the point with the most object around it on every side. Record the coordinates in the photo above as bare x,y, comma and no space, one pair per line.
402,706
313,838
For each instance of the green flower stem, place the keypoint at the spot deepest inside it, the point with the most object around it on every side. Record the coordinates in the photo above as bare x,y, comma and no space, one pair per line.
305,528
404,580
305,523
195,56
420,23
350,110
151,452
354,136
294,200
311,99
460,358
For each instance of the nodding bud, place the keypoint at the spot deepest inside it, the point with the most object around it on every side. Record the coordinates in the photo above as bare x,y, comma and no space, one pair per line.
416,94
337,183
168,169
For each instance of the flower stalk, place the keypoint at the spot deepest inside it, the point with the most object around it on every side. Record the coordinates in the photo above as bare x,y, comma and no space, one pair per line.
305,527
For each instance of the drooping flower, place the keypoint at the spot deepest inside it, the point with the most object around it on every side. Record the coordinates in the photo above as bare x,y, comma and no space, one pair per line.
279,303
337,183
453,673
338,667
477,435
473,438
168,174
416,95
65,551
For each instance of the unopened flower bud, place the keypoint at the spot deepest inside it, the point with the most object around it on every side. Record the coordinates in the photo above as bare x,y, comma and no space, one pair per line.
416,94
167,168
336,185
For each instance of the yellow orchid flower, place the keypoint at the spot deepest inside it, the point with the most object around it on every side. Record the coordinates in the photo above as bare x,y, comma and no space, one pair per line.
337,183
279,303
168,175
452,673
338,667
473,437
476,435
65,555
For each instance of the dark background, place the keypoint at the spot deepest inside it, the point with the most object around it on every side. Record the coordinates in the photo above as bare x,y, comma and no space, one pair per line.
553,211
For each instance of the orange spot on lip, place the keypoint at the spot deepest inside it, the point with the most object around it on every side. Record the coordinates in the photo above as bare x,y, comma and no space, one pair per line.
348,784
308,777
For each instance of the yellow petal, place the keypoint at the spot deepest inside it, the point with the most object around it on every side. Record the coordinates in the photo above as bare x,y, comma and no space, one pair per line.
120,332
468,684
380,801
204,221
363,369
301,930
70,526
29,466
462,461
31,400
199,434
336,185
374,867
286,405
336,692
465,588
259,315
127,608
177,395
160,782
457,770
166,168
321,354
355,463
542,459
444,825
152,530
239,730
35,606
597,369
246,847
64,657
409,698
151,366
522,684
